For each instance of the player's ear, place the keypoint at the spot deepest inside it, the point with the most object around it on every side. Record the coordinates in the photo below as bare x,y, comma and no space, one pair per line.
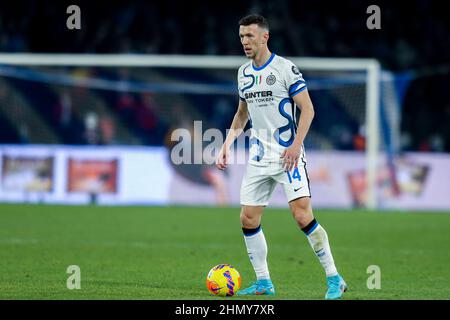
265,37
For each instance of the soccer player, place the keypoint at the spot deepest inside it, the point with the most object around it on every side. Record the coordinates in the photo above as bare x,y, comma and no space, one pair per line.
270,88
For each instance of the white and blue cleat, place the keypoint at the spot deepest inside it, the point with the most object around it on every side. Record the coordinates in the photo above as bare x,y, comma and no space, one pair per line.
336,287
260,287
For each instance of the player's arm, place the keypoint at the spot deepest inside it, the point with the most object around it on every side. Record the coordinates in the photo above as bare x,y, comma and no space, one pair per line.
237,127
291,154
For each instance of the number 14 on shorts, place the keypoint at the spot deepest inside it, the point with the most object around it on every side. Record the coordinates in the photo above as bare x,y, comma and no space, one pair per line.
295,175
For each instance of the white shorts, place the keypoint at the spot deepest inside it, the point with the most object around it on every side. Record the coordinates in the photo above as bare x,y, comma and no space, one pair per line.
260,180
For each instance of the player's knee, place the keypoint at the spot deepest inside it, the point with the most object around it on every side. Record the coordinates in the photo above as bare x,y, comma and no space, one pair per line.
302,214
249,221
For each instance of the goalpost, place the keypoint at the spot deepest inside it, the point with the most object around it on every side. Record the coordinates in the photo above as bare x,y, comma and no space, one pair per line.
368,70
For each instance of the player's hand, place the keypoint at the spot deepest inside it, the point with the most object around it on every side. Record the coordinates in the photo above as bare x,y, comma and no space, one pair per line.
222,159
290,157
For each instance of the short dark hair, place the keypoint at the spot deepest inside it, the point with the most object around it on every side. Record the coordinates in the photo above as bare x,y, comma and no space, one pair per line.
254,19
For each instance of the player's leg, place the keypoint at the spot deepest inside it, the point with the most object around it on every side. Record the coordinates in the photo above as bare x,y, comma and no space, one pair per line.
316,234
255,192
318,239
254,240
297,190
256,244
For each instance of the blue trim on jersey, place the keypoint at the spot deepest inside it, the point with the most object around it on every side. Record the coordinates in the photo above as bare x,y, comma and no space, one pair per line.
298,91
294,117
248,76
261,151
265,64
295,85
289,127
243,99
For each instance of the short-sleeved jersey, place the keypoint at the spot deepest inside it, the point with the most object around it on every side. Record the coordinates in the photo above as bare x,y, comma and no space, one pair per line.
268,92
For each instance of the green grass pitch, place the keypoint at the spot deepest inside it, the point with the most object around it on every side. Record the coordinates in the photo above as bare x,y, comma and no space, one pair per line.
166,252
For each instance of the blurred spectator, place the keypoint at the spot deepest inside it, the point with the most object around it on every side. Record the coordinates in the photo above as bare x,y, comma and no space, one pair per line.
151,127
437,143
63,109
406,141
91,129
126,106
145,115
108,131
359,139
342,137
424,146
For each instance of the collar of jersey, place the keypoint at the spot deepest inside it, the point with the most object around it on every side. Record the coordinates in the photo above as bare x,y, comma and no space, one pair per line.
265,64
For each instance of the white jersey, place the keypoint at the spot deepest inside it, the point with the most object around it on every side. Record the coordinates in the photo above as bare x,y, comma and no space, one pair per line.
268,92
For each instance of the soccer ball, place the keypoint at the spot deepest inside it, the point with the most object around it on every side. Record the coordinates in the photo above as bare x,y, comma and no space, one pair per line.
223,280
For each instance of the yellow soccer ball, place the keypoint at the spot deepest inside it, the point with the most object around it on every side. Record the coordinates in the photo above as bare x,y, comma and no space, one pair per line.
223,280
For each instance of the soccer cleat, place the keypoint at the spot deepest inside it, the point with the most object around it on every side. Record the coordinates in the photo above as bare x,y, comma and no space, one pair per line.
336,287
259,287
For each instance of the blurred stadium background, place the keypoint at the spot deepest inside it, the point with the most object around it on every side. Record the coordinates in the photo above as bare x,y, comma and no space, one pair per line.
96,134
80,105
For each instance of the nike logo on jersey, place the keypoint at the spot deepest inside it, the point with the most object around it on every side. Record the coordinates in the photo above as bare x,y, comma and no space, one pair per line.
295,190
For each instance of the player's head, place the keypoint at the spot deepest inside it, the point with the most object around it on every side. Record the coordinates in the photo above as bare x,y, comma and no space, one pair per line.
254,34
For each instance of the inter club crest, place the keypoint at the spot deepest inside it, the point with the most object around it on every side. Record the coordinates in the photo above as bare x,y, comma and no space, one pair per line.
271,79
